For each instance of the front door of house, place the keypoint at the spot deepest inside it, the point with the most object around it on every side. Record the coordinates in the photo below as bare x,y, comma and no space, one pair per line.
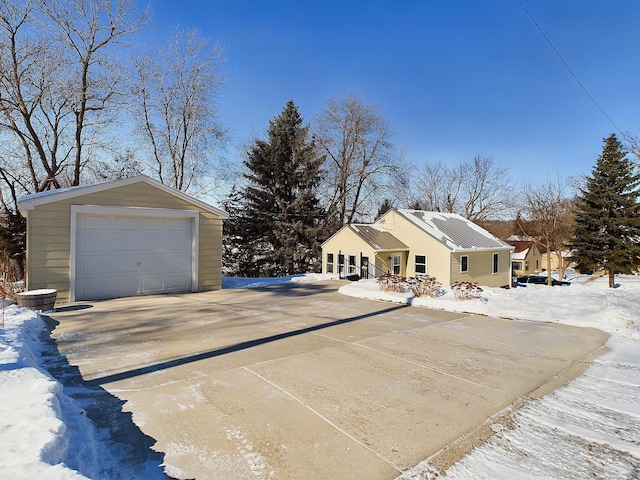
366,269
395,264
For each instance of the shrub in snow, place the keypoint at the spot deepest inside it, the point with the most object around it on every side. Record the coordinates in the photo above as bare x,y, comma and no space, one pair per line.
390,282
466,290
421,285
424,286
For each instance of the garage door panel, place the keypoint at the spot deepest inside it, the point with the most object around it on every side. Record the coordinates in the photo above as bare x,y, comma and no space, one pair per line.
93,289
156,242
122,256
122,287
95,222
125,223
178,282
124,264
152,223
94,244
95,266
152,284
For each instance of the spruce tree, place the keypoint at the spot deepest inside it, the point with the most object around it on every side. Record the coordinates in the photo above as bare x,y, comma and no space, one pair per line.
276,219
607,223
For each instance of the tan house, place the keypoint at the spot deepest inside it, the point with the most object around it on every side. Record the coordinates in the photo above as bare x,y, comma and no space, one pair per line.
555,264
443,245
128,237
526,258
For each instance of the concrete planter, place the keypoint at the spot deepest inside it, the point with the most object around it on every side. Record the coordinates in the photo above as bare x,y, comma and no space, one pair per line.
42,300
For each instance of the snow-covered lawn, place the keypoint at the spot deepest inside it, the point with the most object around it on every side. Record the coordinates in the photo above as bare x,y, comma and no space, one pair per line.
587,429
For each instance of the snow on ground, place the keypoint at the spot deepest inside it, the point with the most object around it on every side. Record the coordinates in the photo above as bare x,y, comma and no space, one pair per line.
588,429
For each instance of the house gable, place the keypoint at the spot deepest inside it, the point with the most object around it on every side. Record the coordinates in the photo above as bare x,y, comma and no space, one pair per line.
445,238
526,257
29,202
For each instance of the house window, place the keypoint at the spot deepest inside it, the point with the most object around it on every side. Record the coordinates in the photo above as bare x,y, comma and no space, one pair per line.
464,263
526,266
340,264
420,264
395,264
537,265
517,265
329,262
352,264
494,268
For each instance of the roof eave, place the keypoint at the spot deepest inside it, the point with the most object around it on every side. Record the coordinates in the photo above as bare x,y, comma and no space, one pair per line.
27,204
483,249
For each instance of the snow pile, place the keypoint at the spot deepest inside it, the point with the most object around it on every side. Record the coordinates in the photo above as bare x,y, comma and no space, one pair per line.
587,302
34,441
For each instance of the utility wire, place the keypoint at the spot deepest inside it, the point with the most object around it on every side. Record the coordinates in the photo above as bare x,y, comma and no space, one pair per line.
567,67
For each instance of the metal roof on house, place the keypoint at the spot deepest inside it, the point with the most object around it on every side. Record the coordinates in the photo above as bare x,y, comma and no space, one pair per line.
454,231
378,239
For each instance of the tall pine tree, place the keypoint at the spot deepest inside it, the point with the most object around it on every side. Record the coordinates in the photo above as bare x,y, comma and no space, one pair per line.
276,220
607,226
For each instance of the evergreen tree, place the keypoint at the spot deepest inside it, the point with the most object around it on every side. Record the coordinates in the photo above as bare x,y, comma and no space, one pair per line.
276,220
607,224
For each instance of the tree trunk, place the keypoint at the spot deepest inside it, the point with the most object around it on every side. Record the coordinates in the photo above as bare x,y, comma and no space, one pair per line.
612,279
549,280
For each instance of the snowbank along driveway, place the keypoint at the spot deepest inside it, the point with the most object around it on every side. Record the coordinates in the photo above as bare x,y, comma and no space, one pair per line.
297,381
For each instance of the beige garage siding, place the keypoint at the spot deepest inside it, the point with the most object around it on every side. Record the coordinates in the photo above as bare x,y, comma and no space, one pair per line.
48,263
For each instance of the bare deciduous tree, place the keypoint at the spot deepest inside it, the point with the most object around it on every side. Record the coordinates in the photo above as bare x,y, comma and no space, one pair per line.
477,190
632,144
547,216
86,30
57,78
362,164
175,94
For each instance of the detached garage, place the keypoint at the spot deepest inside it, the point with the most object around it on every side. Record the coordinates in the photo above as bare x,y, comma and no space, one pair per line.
134,236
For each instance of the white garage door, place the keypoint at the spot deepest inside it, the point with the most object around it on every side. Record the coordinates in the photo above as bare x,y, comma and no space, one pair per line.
121,255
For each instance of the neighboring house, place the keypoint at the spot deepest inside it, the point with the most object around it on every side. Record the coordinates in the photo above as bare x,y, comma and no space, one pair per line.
443,245
128,237
526,258
566,256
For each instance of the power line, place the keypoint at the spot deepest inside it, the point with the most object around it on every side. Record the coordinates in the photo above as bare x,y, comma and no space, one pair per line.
584,89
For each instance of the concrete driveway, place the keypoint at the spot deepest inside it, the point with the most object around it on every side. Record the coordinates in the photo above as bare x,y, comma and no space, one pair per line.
297,381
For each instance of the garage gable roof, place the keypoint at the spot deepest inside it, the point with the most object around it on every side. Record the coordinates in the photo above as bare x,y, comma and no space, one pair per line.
29,202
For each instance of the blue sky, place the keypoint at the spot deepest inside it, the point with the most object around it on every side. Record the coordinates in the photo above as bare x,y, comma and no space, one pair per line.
454,78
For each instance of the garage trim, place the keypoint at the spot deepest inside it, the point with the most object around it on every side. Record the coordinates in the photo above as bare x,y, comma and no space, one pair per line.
134,212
